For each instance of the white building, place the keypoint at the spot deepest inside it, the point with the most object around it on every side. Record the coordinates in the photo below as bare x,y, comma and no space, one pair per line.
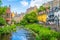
57,14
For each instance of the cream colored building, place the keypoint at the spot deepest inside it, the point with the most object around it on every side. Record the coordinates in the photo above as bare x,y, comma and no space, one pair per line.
31,9
18,17
53,3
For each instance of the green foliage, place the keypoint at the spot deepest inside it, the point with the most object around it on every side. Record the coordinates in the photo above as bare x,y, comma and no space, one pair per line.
29,18
0,2
2,10
2,21
41,8
49,7
7,29
43,33
23,22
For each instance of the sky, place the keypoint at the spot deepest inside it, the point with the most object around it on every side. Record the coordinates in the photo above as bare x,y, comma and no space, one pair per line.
21,5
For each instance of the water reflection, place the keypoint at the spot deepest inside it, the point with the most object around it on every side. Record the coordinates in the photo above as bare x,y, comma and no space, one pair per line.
22,34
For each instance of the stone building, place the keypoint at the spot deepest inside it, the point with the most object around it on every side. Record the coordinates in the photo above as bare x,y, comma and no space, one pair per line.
8,15
54,7
18,17
31,9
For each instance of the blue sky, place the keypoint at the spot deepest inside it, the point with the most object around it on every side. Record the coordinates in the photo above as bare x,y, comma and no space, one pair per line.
21,5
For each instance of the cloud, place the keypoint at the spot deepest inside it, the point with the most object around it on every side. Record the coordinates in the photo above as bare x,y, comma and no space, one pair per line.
37,2
24,3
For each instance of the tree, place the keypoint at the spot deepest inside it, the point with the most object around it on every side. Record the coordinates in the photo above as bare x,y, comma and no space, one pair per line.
3,10
30,18
2,21
41,8
23,22
0,2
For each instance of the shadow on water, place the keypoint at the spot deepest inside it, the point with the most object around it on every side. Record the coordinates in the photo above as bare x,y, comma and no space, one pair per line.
20,34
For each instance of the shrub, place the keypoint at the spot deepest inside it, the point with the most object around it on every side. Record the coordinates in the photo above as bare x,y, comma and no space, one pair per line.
29,18
7,29
2,21
43,33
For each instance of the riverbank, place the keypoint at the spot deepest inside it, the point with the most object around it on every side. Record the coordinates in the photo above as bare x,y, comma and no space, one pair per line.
39,31
7,29
42,32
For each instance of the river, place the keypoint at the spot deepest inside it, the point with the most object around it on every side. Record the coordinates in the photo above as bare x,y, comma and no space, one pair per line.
20,34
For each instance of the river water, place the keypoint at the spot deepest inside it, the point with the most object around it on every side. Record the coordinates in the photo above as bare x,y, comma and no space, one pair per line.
20,34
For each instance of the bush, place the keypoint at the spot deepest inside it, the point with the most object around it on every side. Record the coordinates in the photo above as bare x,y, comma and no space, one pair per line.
7,29
29,18
43,33
2,21
23,22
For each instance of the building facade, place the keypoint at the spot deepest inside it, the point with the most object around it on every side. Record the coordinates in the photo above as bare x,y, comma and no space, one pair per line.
54,7
42,17
32,9
8,16
18,17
